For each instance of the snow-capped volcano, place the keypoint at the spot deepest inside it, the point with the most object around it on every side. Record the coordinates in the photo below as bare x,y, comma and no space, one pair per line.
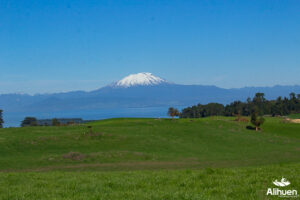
140,79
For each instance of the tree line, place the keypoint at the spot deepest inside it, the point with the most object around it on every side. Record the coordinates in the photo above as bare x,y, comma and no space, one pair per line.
256,108
1,119
32,121
259,104
29,121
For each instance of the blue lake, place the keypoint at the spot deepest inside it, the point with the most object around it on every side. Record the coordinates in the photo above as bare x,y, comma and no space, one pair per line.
13,119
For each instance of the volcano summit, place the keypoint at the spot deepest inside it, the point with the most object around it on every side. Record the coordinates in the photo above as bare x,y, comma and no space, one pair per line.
139,79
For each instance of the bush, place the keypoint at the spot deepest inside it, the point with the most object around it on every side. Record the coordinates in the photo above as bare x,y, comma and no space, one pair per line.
29,121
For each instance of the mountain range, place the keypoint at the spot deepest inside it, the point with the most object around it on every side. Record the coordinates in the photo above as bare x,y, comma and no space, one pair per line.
136,90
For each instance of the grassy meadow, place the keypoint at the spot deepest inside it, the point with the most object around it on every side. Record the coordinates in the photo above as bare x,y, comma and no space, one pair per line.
209,183
207,158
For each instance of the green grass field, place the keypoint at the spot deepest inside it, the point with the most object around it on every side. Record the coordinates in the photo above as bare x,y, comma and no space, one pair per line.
208,158
295,116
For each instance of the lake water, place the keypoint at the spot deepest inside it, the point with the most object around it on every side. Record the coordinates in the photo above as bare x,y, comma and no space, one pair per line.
14,119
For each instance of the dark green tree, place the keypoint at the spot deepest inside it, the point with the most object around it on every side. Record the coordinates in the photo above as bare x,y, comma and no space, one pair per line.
256,121
173,112
29,121
235,109
214,109
292,105
1,119
259,102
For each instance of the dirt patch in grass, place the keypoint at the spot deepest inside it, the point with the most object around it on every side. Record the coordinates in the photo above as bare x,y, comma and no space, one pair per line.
241,119
292,120
95,134
76,156
295,120
42,139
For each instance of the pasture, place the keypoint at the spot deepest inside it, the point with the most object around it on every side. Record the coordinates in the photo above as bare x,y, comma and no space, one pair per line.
207,158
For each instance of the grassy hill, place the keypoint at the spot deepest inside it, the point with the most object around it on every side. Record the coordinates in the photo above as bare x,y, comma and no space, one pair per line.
147,143
208,158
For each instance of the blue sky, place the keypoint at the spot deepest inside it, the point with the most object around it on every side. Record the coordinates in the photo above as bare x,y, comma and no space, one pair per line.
57,45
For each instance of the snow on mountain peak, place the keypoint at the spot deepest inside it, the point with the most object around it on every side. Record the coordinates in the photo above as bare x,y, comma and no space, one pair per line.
139,79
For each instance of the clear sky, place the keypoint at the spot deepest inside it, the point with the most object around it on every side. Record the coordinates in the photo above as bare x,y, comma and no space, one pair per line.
58,45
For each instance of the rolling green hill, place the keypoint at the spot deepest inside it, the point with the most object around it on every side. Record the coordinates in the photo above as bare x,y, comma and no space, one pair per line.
149,143
207,158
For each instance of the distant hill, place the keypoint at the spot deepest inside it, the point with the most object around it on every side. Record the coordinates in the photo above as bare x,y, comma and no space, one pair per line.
136,90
